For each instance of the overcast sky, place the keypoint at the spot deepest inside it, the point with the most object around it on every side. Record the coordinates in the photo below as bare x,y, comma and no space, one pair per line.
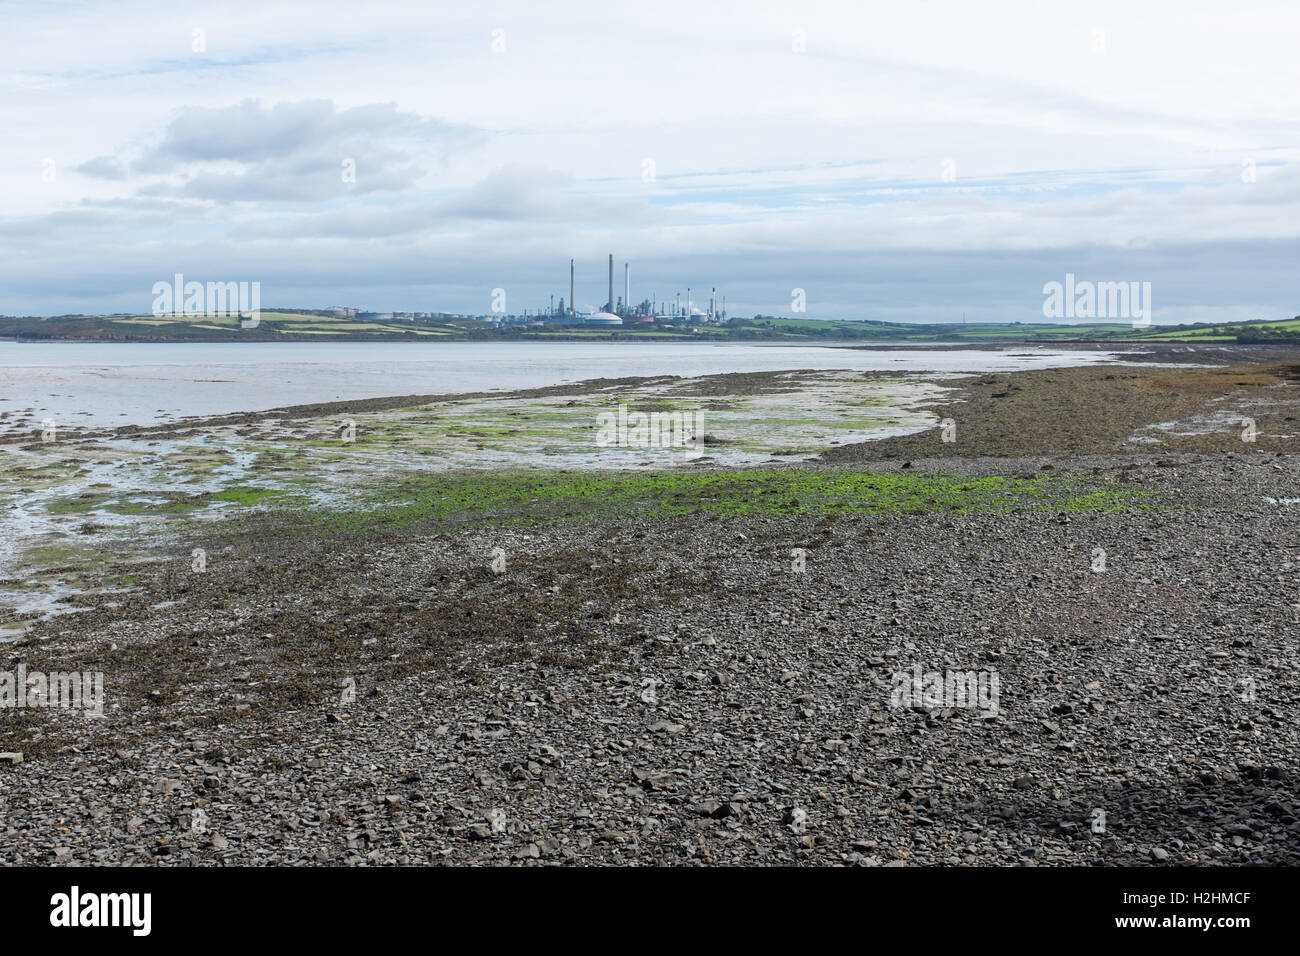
903,161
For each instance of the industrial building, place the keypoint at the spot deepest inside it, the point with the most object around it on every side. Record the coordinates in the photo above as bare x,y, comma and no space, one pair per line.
621,311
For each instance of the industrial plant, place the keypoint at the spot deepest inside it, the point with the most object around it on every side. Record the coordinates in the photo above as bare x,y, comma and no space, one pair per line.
619,312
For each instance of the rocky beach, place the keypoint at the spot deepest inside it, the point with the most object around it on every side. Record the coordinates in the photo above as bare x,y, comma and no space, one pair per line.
688,665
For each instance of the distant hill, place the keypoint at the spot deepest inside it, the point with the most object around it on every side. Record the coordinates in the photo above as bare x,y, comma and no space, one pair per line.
305,325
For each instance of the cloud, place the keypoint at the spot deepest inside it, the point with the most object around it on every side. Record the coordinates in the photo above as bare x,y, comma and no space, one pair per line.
102,167
525,193
826,169
297,178
514,192
301,151
250,132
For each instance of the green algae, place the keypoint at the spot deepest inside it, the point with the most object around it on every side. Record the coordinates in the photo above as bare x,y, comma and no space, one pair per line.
421,502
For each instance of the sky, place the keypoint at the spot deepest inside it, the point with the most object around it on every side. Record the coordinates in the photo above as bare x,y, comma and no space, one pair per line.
921,161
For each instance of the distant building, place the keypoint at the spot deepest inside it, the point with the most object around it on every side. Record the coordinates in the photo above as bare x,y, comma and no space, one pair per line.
602,318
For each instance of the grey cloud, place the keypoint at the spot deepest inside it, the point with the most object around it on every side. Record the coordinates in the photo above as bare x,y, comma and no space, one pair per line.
458,272
249,132
102,167
509,194
518,193
514,192
353,222
316,181
291,151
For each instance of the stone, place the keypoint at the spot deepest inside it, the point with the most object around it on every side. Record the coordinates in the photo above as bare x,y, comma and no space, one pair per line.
796,819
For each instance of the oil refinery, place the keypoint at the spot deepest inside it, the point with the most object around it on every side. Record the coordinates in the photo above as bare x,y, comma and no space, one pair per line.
618,312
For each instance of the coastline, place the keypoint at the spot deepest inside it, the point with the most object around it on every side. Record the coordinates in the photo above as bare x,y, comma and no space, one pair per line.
769,689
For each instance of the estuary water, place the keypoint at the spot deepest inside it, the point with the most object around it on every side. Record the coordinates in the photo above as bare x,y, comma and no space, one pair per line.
108,383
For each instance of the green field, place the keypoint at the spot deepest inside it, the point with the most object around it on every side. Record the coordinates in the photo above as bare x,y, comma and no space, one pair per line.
309,325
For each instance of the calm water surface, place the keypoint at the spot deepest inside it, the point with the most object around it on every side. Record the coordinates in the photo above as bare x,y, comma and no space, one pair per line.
98,383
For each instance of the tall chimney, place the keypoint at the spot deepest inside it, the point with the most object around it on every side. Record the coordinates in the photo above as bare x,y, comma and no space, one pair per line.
627,287
573,309
611,282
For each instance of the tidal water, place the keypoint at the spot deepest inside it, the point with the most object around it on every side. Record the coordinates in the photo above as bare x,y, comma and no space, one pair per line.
82,384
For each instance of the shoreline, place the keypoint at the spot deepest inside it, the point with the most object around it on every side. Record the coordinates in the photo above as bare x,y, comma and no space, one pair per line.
648,678
1144,353
585,384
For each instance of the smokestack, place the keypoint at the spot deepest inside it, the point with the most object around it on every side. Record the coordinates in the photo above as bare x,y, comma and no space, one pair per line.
627,287
573,310
611,282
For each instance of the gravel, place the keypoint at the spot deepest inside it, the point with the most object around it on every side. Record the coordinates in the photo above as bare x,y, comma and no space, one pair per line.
669,690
